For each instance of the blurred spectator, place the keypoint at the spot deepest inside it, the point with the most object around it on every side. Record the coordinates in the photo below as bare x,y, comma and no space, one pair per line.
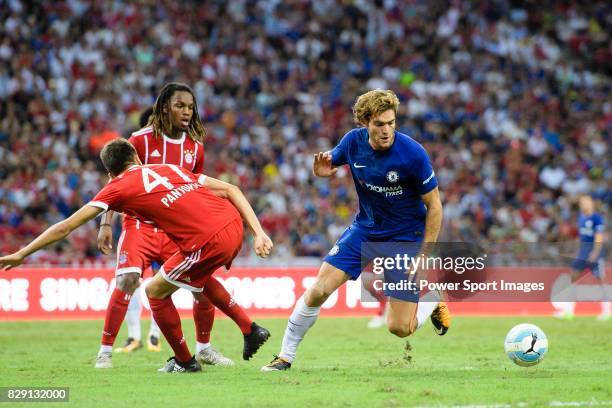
511,101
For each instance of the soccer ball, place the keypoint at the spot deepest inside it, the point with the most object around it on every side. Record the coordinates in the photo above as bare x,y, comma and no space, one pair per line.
526,344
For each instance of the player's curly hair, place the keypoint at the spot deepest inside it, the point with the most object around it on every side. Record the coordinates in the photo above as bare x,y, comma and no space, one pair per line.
160,120
373,103
117,155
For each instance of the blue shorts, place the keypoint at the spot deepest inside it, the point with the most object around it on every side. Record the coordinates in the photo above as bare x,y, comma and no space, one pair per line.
597,268
355,250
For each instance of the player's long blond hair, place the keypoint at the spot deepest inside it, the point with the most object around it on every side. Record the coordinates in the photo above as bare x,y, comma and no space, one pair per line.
160,120
372,104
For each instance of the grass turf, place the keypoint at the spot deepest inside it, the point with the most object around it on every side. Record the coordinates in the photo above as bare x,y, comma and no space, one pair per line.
340,363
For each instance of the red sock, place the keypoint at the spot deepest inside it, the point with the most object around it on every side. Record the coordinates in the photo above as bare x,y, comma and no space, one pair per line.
169,322
115,313
203,317
368,284
221,298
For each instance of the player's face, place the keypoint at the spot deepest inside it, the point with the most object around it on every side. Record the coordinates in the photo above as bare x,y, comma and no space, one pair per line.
181,109
586,204
381,130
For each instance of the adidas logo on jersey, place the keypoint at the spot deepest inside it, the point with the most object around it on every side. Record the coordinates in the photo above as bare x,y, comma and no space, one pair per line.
155,154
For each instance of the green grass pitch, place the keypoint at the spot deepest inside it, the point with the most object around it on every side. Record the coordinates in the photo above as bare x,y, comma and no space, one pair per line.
341,363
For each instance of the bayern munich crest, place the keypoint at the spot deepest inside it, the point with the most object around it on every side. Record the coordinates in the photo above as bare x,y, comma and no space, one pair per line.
335,249
392,176
188,156
123,257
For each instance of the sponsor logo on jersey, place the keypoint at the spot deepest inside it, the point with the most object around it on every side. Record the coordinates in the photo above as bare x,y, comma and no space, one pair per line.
388,191
392,176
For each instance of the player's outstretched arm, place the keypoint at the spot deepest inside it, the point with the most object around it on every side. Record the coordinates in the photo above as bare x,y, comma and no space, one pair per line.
262,243
105,235
53,234
322,165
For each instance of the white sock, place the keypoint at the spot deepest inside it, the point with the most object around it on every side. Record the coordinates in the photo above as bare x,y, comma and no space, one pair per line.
105,349
302,318
605,305
571,306
201,346
154,328
427,304
133,316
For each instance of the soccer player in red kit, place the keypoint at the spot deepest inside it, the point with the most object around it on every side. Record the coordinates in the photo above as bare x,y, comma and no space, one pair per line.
201,215
173,135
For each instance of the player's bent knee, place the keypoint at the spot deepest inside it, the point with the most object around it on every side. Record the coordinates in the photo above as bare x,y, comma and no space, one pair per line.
152,290
128,282
315,296
401,329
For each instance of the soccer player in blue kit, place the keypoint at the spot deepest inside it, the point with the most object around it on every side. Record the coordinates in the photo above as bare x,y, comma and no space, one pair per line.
591,228
398,202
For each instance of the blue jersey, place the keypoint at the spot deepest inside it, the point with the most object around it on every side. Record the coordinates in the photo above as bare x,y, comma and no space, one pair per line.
389,183
589,225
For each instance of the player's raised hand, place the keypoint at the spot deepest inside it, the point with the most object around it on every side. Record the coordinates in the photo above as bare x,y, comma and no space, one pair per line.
322,165
11,261
105,239
262,244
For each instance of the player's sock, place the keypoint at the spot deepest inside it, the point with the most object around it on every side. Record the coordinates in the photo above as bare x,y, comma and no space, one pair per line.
379,295
115,313
154,328
133,316
203,317
606,308
105,349
169,322
606,305
427,304
302,318
201,346
221,298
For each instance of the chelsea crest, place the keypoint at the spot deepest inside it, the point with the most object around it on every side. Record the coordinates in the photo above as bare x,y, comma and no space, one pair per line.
392,176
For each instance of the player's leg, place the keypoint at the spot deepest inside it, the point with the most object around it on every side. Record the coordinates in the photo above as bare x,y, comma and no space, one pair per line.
128,270
219,251
159,291
606,306
132,320
407,312
153,337
204,317
579,264
305,314
343,262
406,316
117,307
221,298
367,280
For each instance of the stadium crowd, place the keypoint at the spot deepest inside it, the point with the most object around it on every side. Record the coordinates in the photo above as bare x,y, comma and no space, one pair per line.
509,99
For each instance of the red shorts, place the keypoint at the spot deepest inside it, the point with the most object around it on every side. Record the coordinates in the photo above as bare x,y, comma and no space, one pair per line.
140,245
192,270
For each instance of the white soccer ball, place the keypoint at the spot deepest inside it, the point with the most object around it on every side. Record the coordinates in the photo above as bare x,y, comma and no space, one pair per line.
526,344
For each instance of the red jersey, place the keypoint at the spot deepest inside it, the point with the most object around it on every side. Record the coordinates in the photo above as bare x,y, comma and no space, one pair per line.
183,152
173,199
